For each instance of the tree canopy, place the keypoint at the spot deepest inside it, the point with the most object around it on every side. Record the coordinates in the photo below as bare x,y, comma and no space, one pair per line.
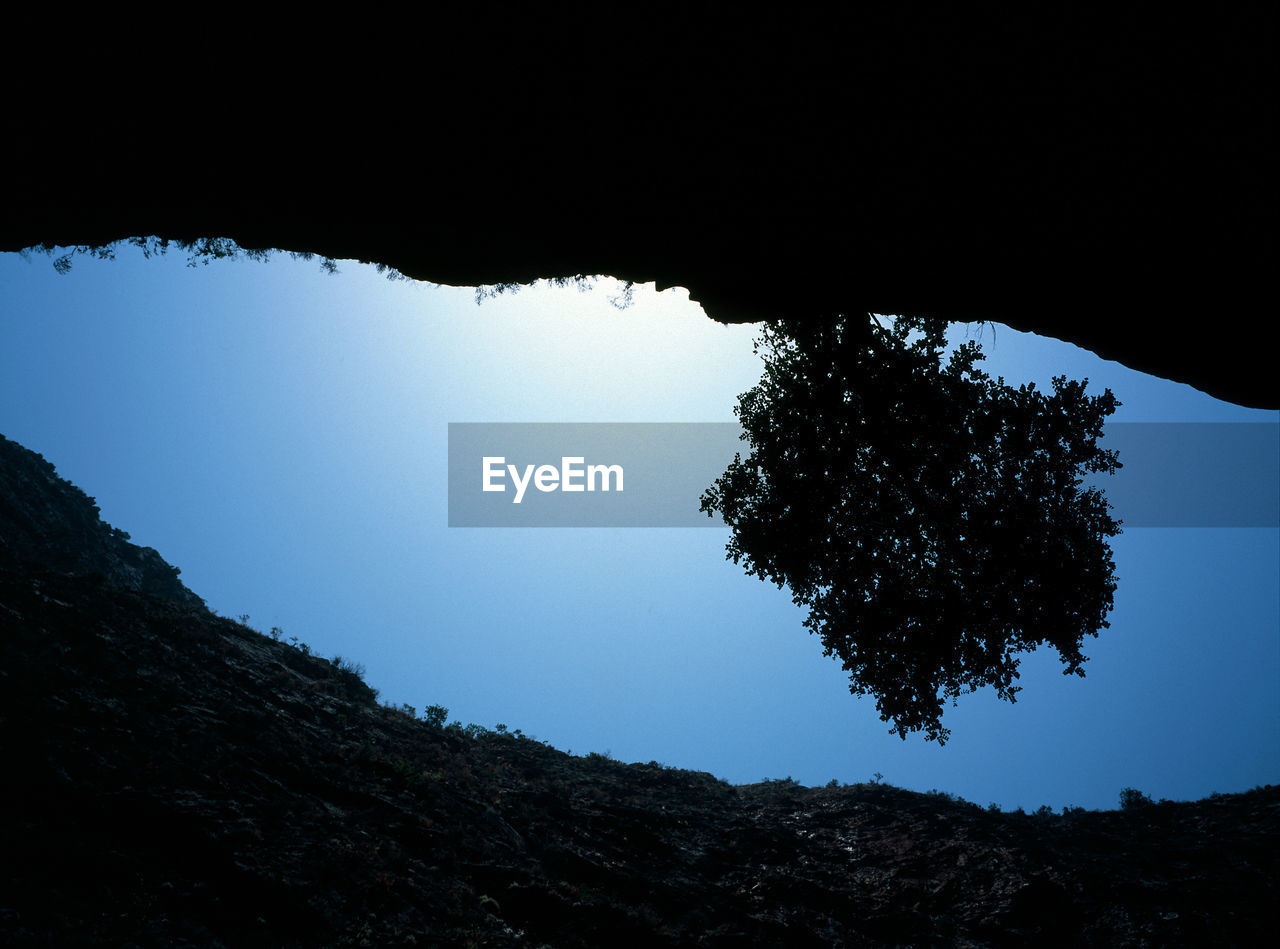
931,518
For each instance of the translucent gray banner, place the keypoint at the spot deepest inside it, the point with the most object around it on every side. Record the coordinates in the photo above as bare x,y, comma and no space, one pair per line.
1193,474
585,474
514,474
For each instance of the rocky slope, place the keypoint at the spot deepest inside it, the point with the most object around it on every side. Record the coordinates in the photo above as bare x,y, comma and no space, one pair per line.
176,778
46,522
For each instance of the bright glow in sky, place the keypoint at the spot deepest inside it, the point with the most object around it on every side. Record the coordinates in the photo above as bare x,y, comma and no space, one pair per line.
280,435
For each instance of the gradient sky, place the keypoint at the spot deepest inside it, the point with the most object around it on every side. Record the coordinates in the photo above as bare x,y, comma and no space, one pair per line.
280,434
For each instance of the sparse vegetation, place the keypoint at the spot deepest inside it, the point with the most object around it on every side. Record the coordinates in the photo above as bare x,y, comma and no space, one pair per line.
946,796
200,252
581,282
787,782
346,667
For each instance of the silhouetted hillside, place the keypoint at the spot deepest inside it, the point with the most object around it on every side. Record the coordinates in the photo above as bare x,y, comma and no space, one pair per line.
47,522
176,778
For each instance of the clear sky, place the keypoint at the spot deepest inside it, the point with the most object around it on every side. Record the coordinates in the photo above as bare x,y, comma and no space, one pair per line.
280,435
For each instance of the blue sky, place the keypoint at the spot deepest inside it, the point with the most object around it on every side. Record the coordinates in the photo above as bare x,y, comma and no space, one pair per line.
280,434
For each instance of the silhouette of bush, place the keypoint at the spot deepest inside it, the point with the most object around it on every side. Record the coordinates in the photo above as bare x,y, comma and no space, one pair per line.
1131,798
435,715
348,668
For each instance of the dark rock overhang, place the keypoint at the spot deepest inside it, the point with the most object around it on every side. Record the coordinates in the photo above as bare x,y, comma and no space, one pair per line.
1102,182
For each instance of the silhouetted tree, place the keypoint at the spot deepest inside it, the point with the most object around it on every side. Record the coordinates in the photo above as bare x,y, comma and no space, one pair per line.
931,518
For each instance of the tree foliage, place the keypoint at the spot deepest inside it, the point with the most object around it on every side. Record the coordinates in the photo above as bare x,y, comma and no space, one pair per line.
931,518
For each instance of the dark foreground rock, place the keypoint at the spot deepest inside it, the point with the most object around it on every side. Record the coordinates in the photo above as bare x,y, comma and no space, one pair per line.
175,778
1105,178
